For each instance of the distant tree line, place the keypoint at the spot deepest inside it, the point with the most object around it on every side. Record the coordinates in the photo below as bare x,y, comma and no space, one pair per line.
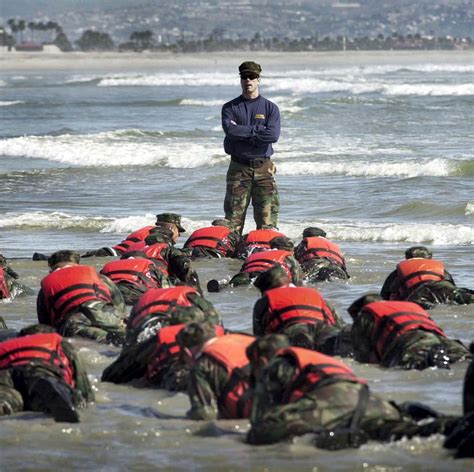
92,40
48,32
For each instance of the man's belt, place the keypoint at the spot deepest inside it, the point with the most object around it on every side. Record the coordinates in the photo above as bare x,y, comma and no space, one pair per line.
253,163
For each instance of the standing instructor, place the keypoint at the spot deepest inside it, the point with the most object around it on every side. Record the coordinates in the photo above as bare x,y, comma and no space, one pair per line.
251,124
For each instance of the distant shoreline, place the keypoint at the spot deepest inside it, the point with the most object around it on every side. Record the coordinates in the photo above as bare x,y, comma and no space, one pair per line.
16,61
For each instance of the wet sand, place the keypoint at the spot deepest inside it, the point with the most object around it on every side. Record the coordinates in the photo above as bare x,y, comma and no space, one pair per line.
11,61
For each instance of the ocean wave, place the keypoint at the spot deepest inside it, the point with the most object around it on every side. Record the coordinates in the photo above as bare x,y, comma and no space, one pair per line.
117,148
436,167
426,210
438,234
11,103
309,85
469,210
167,80
200,103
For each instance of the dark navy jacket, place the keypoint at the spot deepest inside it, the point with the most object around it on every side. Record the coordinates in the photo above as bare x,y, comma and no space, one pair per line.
258,126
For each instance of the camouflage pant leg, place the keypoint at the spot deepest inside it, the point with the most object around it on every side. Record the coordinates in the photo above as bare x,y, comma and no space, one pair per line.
420,350
328,407
11,400
430,294
239,181
78,324
265,198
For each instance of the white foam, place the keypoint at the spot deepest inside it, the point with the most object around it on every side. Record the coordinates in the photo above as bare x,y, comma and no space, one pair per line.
438,234
114,148
201,103
55,220
168,80
436,167
469,208
356,87
10,103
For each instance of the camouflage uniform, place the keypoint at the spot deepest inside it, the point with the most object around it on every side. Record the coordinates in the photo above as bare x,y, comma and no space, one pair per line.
11,277
97,320
330,406
429,292
133,363
412,350
244,183
17,384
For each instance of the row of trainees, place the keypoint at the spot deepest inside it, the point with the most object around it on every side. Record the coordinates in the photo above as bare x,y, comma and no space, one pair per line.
285,391
77,301
149,259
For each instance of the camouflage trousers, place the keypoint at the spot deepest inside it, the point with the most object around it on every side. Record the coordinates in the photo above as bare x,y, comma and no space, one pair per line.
429,294
245,184
99,322
421,349
18,390
333,406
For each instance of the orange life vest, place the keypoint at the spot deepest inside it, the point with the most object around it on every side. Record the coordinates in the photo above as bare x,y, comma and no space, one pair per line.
39,349
293,305
259,262
230,352
317,246
416,271
167,348
138,235
158,300
69,287
133,271
153,251
313,370
393,318
260,238
4,292
214,237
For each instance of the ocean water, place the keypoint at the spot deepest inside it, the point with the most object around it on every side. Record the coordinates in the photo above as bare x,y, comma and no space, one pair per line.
375,149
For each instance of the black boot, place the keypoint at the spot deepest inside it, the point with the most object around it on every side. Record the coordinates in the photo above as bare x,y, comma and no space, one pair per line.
54,397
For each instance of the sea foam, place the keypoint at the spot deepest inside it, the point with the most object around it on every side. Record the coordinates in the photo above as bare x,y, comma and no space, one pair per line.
114,148
435,167
438,233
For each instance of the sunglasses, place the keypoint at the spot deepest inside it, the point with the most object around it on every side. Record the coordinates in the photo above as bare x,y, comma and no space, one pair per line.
248,77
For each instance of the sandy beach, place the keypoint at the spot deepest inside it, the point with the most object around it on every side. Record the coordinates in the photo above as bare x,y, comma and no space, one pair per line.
12,61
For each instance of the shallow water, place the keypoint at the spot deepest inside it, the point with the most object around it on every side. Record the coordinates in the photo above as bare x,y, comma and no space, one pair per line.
376,151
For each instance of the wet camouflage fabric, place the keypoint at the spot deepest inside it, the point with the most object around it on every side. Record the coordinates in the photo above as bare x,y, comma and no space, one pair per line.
132,364
95,320
329,406
428,294
11,278
245,184
412,350
320,269
207,381
16,384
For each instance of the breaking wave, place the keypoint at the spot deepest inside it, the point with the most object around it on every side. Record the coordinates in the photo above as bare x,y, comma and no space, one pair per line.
438,234
435,167
118,148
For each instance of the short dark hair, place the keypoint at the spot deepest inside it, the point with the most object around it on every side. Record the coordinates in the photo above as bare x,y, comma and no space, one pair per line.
267,346
64,256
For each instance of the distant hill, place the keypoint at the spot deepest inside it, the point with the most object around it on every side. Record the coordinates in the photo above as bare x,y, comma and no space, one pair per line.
196,19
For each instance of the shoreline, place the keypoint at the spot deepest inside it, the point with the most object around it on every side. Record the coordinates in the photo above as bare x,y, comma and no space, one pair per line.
22,61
